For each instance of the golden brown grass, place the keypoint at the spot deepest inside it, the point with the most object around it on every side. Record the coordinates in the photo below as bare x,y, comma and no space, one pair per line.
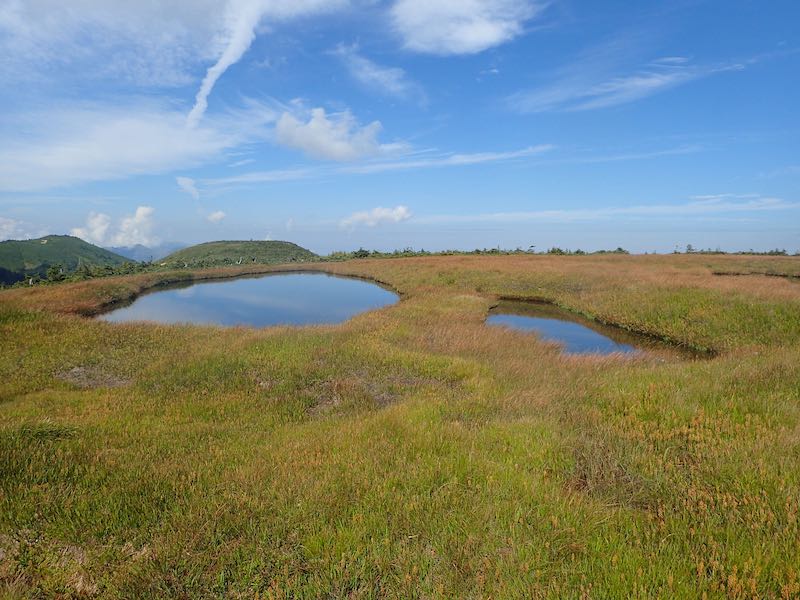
413,451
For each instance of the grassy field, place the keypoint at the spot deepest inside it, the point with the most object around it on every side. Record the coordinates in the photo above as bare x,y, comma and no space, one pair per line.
412,452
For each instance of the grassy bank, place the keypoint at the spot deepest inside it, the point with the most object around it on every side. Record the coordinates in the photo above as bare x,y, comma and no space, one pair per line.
411,452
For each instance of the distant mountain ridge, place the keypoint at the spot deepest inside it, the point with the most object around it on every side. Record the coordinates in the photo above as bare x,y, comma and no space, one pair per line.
142,253
20,259
211,254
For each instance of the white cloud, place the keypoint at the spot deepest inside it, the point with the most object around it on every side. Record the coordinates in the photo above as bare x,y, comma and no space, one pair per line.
146,43
152,43
698,206
402,164
336,137
92,142
262,177
377,216
461,26
187,184
242,162
628,156
216,216
781,172
132,230
672,60
136,229
589,85
96,229
241,19
452,160
11,229
390,81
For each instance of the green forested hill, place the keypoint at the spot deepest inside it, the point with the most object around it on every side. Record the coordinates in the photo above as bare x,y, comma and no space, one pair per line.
25,258
230,253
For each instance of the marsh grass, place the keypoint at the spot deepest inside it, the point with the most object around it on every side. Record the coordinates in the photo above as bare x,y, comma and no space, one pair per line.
412,451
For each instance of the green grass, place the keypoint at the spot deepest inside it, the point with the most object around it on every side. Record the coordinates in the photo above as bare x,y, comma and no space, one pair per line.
411,452
19,259
214,254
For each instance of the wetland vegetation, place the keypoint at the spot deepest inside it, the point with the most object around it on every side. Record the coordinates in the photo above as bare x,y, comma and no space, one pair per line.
411,451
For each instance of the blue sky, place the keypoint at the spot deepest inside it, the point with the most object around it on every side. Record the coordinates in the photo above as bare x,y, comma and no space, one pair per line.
393,123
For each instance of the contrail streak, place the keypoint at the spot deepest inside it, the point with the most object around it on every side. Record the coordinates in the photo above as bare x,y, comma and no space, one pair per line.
243,16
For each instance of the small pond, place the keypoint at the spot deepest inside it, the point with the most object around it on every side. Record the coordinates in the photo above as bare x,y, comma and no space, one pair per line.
576,334
276,299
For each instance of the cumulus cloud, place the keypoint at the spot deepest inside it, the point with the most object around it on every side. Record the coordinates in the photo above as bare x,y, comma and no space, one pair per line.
389,81
96,229
377,216
132,229
11,229
461,26
332,137
187,184
216,216
136,229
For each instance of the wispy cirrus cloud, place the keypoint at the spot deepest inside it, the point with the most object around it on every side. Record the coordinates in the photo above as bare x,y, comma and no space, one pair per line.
535,155
709,205
449,160
388,81
576,89
101,142
787,171
402,163
617,71
96,39
260,177
609,157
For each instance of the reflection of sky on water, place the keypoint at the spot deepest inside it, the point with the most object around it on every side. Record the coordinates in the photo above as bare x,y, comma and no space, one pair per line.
286,299
576,338
186,292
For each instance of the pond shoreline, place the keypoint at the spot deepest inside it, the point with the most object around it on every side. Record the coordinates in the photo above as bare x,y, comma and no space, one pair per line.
696,351
281,297
190,277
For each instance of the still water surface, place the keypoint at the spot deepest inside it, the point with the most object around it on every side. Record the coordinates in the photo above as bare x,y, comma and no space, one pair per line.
280,299
576,335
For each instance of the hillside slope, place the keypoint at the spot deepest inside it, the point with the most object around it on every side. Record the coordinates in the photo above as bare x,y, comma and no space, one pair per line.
23,258
242,252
